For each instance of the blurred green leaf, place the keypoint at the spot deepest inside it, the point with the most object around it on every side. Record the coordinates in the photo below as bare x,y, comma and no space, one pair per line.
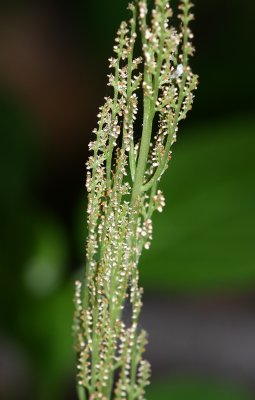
205,238
47,335
192,390
45,268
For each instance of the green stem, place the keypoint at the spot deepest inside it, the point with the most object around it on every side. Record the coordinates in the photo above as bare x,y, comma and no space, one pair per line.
94,353
144,150
92,217
81,393
114,113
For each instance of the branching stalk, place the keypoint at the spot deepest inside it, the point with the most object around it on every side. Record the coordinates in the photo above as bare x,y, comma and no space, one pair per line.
123,174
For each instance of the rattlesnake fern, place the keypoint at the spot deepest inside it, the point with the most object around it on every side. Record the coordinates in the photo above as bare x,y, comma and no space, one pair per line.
123,177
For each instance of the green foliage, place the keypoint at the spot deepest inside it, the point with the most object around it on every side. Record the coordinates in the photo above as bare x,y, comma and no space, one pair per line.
183,389
50,341
204,240
44,270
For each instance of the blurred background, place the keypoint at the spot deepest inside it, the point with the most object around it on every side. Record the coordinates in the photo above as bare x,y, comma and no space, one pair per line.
199,276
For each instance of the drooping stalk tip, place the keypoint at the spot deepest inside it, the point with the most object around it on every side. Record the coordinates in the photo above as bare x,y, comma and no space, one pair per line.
123,176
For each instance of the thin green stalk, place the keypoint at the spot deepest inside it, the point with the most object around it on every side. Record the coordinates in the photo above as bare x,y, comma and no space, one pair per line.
144,149
114,113
81,393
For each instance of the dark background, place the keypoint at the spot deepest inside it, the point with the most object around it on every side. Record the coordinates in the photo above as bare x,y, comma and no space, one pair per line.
199,276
